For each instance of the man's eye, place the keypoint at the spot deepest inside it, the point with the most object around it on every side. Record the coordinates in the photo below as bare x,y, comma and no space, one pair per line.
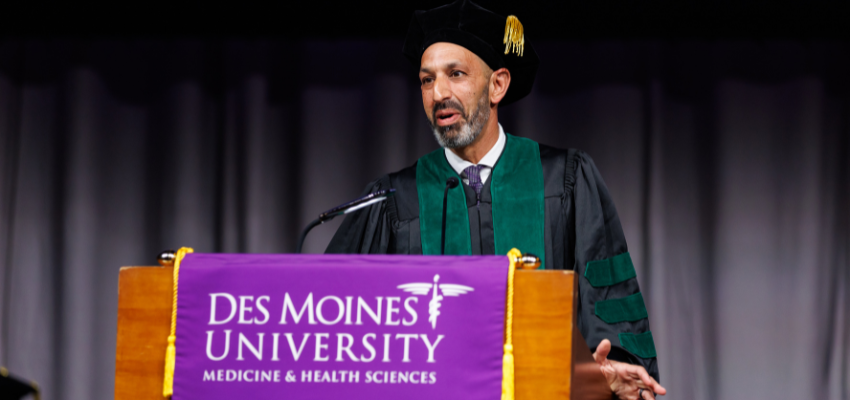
426,81
456,73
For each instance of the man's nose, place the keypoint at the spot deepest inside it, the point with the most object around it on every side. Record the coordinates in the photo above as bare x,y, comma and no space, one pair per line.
441,90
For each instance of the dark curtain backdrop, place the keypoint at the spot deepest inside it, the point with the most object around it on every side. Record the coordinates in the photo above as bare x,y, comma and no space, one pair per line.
728,163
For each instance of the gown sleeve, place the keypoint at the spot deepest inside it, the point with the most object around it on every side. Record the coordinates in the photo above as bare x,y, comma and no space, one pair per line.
610,305
366,231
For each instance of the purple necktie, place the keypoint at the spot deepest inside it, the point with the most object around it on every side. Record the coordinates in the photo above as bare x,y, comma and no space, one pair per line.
473,174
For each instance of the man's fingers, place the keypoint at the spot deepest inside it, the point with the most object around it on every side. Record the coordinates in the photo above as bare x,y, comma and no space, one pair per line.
627,376
650,382
601,353
640,378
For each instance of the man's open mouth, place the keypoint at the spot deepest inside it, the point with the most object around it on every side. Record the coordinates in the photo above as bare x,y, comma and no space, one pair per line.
447,117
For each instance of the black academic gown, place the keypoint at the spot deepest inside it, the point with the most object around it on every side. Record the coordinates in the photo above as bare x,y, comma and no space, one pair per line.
581,225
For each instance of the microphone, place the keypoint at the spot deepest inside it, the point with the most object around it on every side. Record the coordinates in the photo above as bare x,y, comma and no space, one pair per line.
346,208
451,183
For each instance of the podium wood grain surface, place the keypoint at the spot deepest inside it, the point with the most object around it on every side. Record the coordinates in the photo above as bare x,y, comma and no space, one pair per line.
543,342
543,309
144,322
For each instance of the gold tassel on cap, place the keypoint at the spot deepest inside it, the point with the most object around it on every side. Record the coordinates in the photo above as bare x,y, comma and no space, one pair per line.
514,38
171,351
508,358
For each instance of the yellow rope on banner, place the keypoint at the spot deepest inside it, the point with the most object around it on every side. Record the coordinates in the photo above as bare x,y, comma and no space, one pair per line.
508,359
170,351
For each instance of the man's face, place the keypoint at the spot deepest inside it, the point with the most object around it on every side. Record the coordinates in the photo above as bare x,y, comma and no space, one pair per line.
455,93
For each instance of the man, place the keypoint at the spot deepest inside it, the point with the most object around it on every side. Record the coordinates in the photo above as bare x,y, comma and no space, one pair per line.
515,192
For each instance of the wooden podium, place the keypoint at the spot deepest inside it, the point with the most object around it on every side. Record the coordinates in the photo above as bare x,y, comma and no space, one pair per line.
552,360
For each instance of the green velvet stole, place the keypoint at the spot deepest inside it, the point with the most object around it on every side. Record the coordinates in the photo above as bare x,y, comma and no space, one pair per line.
432,171
517,194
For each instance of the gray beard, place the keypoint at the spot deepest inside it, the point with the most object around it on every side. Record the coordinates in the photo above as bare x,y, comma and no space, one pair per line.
464,133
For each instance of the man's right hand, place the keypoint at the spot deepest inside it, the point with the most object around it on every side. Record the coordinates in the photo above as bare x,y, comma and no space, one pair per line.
626,380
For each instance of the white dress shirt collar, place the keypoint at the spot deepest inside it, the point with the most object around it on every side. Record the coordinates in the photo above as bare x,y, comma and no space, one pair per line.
488,161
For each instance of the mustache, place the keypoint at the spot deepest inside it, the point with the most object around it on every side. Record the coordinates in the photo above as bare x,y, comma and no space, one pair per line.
450,103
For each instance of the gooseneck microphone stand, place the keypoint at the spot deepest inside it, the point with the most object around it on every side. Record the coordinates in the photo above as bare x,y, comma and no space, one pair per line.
346,208
451,183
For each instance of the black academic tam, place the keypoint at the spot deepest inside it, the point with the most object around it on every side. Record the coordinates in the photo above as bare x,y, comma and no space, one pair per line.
499,41
582,233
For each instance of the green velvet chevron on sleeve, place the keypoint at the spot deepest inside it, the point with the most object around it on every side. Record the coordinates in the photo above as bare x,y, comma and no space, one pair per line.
629,308
640,344
610,270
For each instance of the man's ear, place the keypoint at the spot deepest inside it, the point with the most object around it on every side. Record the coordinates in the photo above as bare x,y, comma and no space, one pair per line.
500,80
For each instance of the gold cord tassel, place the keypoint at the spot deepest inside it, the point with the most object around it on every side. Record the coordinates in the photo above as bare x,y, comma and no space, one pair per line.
171,351
508,359
514,37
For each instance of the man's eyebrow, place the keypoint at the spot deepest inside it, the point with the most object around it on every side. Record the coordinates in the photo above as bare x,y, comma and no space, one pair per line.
451,65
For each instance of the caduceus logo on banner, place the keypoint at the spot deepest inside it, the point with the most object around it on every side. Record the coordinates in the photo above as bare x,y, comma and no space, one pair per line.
447,289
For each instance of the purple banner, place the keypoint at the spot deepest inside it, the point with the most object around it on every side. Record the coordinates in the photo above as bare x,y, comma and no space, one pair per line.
340,327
